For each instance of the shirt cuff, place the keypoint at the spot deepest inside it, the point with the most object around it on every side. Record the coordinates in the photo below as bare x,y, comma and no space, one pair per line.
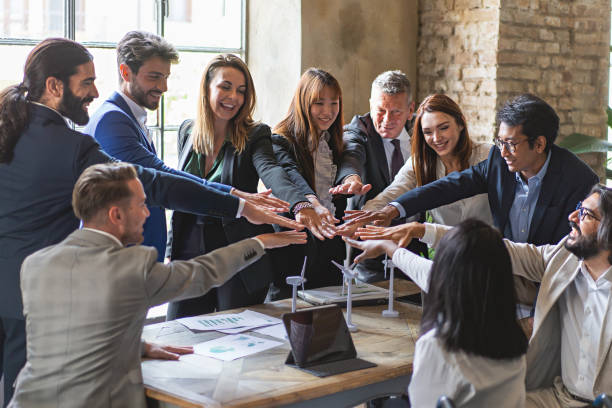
399,207
429,237
260,243
240,207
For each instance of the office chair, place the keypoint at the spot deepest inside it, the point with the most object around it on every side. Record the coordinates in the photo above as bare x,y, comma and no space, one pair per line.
603,401
445,402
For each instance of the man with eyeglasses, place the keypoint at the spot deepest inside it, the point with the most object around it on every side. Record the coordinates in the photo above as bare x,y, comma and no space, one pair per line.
569,359
533,185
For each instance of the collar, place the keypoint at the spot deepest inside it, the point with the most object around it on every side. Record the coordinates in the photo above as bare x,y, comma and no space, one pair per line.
403,137
325,136
68,121
540,175
138,111
605,277
114,238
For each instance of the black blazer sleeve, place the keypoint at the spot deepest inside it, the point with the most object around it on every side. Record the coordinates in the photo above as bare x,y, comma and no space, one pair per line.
455,186
271,173
286,158
354,155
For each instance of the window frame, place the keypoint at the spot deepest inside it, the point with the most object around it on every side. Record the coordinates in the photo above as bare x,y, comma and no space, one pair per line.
162,8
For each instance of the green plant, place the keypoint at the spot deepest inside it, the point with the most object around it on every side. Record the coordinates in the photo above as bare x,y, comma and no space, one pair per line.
579,143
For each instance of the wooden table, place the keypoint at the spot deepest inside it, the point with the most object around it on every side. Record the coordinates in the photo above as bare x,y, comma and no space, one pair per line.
263,380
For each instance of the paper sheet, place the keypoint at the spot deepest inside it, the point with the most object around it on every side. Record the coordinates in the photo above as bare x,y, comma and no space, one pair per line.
278,331
229,348
229,321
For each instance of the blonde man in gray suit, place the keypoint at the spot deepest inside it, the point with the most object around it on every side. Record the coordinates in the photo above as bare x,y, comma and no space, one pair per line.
569,359
86,298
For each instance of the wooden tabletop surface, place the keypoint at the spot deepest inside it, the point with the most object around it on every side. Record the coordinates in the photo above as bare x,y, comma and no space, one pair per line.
263,380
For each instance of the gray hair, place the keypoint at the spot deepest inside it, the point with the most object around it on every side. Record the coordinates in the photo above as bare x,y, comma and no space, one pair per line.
138,46
392,82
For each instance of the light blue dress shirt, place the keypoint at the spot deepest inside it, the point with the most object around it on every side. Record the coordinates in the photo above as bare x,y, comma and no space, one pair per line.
525,199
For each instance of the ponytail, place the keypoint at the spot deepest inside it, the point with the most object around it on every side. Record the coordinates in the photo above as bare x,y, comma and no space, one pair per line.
13,119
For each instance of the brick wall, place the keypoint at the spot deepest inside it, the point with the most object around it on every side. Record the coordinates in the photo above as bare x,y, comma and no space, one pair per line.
483,52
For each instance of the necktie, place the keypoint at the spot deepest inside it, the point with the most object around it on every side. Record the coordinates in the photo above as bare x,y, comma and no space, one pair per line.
397,160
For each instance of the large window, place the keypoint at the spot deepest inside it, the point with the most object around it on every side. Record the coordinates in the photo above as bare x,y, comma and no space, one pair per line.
199,29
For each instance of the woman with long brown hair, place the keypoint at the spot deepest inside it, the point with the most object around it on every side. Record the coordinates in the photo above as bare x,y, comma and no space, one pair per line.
441,144
224,144
308,144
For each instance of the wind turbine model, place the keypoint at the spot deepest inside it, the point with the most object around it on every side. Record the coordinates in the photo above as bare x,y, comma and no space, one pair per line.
296,281
389,265
348,274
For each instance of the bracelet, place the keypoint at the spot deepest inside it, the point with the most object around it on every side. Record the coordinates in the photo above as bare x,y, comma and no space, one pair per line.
301,205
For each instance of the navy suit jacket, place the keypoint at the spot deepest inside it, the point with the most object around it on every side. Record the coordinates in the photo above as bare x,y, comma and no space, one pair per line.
36,191
568,180
120,135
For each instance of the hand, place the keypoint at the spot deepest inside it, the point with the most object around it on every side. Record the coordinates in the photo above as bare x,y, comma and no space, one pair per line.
400,234
372,249
359,218
351,185
259,215
320,228
264,199
160,352
281,239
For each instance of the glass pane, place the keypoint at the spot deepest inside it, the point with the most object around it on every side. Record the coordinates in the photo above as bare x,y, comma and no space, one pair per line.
101,20
11,74
211,23
32,19
170,151
183,87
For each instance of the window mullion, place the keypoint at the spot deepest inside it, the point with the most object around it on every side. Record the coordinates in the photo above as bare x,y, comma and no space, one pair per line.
70,19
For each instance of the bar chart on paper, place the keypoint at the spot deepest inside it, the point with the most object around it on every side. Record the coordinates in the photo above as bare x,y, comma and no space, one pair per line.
229,323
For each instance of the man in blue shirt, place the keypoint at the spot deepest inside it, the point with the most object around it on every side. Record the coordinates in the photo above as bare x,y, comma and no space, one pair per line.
533,185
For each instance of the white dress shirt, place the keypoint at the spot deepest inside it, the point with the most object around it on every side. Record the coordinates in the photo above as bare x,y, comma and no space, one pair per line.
325,172
139,113
582,306
450,214
404,139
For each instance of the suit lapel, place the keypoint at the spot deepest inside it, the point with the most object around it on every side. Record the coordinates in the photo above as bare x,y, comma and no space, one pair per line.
119,102
379,155
228,165
549,186
508,190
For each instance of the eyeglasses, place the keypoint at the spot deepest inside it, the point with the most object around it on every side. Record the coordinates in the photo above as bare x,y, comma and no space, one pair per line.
583,212
510,146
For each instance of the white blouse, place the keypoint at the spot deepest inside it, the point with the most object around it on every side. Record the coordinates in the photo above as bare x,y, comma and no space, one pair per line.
469,380
450,214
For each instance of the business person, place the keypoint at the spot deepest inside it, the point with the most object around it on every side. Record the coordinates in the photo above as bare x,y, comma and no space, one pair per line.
86,298
41,157
120,124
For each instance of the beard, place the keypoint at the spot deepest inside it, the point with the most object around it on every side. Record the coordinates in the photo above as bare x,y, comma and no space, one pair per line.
584,247
140,97
72,107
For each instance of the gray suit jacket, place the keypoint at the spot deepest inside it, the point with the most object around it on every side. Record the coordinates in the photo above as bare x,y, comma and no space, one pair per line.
85,303
555,268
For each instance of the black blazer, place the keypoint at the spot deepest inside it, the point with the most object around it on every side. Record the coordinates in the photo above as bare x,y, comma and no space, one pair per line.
243,172
568,180
364,151
36,192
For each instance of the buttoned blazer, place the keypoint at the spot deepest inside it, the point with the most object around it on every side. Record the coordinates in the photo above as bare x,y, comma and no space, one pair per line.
85,303
568,180
121,136
242,171
36,191
365,153
555,268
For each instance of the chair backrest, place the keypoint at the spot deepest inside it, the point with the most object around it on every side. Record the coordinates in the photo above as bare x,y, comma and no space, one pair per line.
445,402
603,400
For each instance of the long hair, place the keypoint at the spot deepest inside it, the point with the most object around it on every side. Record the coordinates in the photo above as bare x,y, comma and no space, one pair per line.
53,57
424,157
240,125
472,301
299,128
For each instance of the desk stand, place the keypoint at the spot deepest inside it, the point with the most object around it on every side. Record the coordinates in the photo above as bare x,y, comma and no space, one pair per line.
389,265
348,275
296,281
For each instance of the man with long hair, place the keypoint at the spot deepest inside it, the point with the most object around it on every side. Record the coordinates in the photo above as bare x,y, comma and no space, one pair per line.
41,157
